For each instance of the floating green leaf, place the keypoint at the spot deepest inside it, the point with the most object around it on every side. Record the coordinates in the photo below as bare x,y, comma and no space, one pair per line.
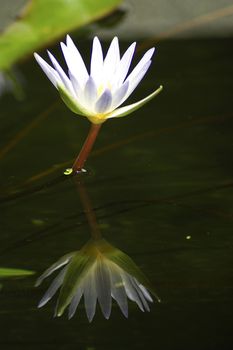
43,21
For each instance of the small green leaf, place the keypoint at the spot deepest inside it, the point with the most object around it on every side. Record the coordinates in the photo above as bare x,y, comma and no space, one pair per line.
9,272
68,171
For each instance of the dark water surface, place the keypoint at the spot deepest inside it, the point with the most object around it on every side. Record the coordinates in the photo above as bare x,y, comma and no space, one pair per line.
161,185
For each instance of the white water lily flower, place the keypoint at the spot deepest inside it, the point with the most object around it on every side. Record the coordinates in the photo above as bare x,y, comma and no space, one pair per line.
98,94
98,272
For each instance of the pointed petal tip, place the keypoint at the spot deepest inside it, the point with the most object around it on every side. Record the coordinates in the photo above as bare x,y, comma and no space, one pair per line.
38,283
70,316
63,46
90,318
96,39
39,59
41,304
107,316
151,51
49,53
133,44
68,39
125,313
58,314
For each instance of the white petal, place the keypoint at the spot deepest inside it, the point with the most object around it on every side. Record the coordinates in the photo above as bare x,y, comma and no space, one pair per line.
123,111
66,81
133,82
90,91
74,104
55,285
75,62
97,62
103,287
104,102
147,56
74,302
74,82
119,95
125,64
112,59
48,70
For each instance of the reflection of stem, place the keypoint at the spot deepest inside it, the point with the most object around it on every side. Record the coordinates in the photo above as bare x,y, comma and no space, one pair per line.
87,207
87,147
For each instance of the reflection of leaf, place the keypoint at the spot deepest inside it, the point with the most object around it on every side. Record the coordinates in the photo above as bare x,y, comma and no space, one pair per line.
43,21
8,272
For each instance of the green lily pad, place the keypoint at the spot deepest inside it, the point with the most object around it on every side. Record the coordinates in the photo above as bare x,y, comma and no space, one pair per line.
8,272
44,21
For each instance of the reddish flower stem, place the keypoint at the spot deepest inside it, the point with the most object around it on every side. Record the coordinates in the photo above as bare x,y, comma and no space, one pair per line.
87,147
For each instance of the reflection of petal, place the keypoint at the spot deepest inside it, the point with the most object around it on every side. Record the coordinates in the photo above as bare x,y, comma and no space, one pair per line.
61,262
75,301
103,287
139,292
131,292
90,295
98,272
118,290
145,293
56,284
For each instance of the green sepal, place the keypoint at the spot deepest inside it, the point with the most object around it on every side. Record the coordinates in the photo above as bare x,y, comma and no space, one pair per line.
71,103
77,268
127,264
123,111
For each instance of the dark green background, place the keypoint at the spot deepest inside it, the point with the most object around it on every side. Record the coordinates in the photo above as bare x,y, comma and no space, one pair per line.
161,175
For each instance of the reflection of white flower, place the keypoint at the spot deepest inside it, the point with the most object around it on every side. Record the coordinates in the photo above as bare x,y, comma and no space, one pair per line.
99,94
98,272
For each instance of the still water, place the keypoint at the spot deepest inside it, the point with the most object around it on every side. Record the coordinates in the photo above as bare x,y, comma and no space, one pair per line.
160,183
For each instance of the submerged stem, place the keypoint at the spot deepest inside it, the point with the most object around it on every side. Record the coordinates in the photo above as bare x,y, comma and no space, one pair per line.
87,147
87,208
